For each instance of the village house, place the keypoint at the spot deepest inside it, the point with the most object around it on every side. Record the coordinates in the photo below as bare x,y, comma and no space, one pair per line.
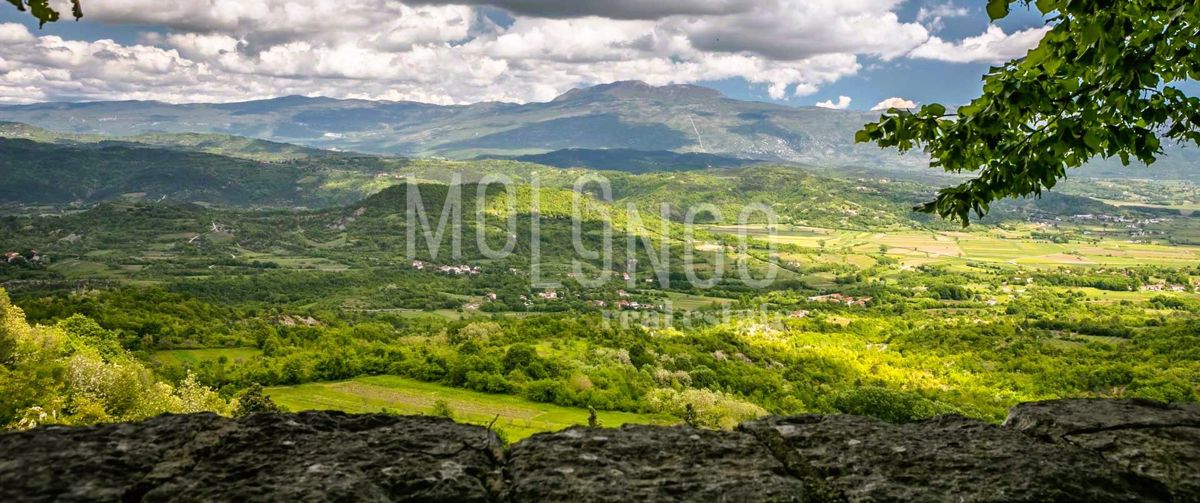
837,298
632,305
459,270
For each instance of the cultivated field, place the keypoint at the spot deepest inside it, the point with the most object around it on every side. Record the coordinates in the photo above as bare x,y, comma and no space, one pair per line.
518,418
193,357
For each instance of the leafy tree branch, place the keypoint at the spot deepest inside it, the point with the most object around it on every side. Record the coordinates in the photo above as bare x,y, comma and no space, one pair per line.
1098,85
41,10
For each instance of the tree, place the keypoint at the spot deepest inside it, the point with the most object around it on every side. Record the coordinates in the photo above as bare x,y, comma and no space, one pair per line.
442,409
518,356
689,416
593,421
253,401
41,10
1098,85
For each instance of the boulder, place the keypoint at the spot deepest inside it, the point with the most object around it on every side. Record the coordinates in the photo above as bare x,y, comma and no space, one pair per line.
1066,450
311,456
950,459
1152,439
644,463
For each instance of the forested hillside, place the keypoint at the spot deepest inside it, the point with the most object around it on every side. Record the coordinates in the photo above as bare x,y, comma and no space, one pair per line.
621,115
327,309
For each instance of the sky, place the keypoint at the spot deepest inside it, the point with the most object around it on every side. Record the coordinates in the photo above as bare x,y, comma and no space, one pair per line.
849,54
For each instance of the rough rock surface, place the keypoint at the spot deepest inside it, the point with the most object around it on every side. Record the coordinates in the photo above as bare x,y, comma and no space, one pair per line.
1158,441
288,457
850,458
1070,450
643,463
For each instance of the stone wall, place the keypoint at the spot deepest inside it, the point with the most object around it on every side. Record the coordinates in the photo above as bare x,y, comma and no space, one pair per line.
1068,450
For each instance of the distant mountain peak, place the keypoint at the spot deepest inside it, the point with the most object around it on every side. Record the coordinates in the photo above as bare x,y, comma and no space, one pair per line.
634,89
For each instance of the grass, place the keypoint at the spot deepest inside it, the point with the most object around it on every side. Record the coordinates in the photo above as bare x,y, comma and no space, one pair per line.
914,247
689,302
75,268
193,357
518,417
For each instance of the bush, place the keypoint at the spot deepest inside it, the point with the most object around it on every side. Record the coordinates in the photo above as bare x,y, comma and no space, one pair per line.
253,401
889,405
442,409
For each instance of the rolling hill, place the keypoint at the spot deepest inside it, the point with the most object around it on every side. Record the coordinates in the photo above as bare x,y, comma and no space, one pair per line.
41,169
628,115
629,160
78,173
621,115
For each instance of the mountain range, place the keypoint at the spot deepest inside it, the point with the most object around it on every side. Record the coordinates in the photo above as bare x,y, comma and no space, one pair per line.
621,115
630,115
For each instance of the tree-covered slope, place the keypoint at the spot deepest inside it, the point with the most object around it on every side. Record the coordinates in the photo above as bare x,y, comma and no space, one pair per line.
630,160
35,173
621,115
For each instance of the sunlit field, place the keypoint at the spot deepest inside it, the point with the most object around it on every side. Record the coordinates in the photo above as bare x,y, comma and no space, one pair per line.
515,417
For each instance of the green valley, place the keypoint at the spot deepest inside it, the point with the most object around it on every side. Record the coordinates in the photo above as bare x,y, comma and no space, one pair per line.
872,310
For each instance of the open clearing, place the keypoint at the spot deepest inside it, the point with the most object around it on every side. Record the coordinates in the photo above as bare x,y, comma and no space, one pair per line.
518,417
180,357
914,247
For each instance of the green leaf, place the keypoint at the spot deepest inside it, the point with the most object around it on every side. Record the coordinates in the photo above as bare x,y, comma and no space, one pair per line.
42,11
1099,83
1048,6
1037,56
997,9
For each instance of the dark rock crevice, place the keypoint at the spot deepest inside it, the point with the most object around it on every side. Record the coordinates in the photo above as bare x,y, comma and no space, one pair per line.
1067,450
1153,440
850,458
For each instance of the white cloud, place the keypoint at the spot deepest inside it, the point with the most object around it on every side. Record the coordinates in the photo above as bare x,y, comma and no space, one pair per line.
894,103
993,46
842,103
449,51
933,16
613,9
229,51
792,29
14,33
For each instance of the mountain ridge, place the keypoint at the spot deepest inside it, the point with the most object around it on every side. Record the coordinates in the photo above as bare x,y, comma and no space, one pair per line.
627,114
684,119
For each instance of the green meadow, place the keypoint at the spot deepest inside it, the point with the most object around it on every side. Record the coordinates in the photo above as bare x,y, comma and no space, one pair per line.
193,357
516,417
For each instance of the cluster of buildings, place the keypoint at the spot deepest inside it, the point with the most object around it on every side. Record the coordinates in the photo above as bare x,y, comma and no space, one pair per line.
1118,219
1163,287
15,258
629,305
475,306
456,270
837,298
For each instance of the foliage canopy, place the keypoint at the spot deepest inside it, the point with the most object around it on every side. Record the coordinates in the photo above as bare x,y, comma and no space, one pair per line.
42,10
1098,85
